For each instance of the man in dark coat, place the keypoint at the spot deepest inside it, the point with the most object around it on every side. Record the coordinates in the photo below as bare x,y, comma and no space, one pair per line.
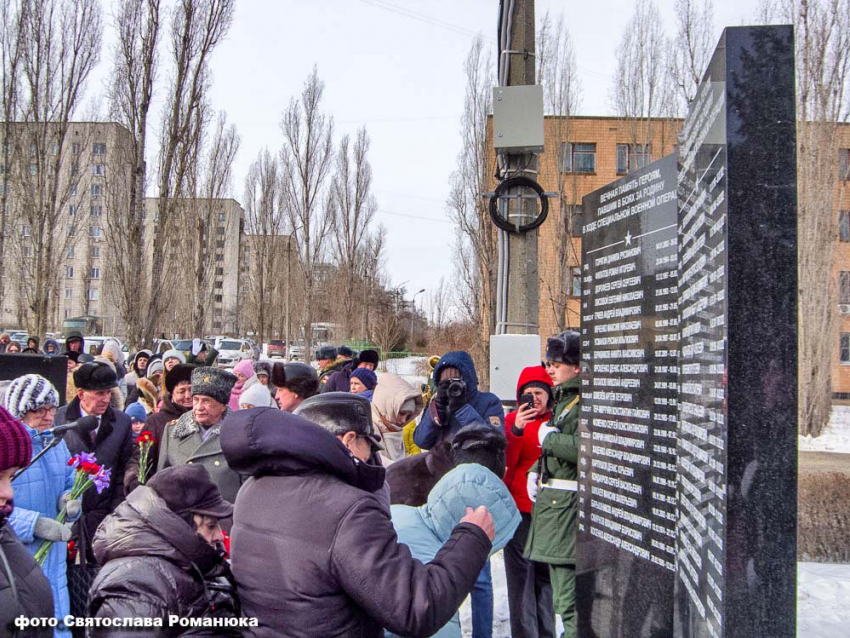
176,402
340,380
162,555
74,342
314,551
112,442
24,590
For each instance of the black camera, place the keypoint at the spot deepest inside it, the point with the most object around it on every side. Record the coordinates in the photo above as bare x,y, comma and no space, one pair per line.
456,388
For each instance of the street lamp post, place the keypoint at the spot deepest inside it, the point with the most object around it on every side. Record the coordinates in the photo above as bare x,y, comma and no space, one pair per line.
413,312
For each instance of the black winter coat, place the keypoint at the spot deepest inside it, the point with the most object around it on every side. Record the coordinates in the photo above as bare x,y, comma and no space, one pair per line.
314,550
340,381
24,591
156,565
113,447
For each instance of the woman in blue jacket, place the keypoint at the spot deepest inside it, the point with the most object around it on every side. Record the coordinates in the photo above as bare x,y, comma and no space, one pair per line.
43,489
425,529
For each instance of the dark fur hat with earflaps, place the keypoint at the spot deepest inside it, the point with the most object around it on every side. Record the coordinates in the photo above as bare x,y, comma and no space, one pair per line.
564,348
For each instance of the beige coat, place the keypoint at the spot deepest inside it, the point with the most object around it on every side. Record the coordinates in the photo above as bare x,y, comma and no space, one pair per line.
390,394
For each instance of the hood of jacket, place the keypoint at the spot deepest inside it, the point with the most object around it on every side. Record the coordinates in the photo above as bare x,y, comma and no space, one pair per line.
390,394
51,342
532,373
143,525
463,362
112,350
268,441
467,485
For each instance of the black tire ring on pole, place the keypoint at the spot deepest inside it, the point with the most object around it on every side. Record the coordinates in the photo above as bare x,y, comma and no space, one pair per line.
513,182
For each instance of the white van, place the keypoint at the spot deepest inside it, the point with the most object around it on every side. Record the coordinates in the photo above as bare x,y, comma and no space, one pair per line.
232,351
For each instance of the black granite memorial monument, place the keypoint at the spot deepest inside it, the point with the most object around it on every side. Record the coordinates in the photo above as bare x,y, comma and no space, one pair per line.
687,496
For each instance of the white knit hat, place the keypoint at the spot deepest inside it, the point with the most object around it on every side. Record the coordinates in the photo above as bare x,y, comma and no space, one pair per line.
258,396
28,393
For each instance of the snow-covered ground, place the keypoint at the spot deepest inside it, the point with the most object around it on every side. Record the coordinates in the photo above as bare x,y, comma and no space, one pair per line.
836,436
823,594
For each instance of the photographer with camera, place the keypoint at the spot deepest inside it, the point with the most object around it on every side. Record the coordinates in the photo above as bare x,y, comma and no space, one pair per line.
456,404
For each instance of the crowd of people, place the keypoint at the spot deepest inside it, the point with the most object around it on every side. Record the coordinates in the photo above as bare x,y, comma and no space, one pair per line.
287,499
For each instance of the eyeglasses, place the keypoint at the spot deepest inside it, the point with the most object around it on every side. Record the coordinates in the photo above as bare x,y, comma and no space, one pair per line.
50,409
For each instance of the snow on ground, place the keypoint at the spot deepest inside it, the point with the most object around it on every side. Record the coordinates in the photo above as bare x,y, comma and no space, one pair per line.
823,592
408,369
836,436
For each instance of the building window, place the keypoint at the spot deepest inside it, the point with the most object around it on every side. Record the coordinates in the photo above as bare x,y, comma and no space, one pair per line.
72,210
96,190
72,190
67,313
219,271
26,231
217,285
68,293
218,298
75,148
99,149
844,164
219,243
97,169
844,287
95,251
95,273
578,157
220,230
69,254
27,251
631,157
219,258
55,149
94,231
75,168
845,347
222,217
33,169
844,225
96,211
217,324
94,294
69,272
576,281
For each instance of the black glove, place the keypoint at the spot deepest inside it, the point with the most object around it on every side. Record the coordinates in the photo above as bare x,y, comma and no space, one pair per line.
440,404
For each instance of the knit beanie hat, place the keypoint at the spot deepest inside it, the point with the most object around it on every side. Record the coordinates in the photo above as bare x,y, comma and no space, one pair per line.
245,366
28,393
136,411
173,354
154,367
366,377
258,396
15,444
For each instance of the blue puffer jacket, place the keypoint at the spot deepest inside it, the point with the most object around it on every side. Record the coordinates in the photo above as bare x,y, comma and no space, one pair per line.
481,407
425,529
37,493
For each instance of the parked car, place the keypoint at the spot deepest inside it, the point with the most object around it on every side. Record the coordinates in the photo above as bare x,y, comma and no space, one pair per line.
297,351
94,345
276,348
232,351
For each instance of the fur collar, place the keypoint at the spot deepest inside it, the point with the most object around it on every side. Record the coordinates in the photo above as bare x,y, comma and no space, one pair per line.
186,425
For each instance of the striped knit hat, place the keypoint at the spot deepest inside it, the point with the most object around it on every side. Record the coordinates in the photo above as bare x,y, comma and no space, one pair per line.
29,392
15,444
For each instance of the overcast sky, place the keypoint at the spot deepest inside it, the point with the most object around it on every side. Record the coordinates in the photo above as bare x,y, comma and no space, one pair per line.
396,66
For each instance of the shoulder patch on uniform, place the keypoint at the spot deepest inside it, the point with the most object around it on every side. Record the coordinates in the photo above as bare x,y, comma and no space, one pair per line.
495,421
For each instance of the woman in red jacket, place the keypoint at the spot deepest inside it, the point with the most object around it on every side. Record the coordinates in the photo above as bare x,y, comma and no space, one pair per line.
529,590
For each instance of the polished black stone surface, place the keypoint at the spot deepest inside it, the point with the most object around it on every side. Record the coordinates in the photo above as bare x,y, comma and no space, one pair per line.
738,359
627,467
688,485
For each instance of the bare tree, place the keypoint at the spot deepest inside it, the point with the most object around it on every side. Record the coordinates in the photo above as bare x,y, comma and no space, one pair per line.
198,27
265,227
306,161
134,68
11,35
467,208
387,328
557,72
60,45
642,88
822,31
353,208
692,46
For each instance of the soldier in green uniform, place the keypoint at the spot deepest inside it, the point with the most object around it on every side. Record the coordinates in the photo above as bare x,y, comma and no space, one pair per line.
553,483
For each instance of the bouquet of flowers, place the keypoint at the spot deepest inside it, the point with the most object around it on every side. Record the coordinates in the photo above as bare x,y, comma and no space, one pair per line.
145,441
89,474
